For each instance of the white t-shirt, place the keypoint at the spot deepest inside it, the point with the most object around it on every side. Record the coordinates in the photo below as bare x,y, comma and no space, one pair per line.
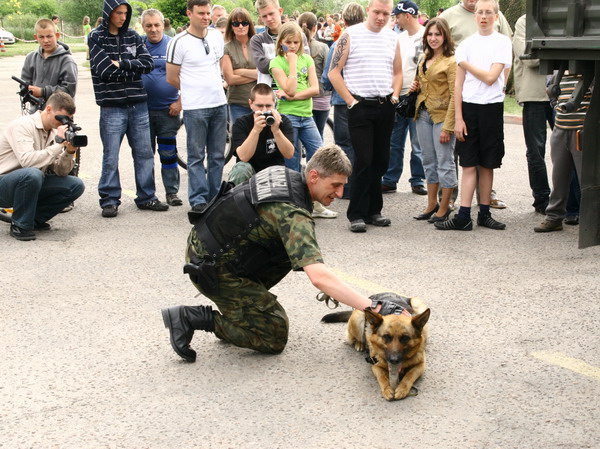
482,52
200,73
411,48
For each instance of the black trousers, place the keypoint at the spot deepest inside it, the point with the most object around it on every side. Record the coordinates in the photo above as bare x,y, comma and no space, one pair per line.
370,124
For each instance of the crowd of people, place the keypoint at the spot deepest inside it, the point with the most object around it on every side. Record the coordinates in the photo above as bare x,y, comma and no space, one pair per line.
276,86
276,82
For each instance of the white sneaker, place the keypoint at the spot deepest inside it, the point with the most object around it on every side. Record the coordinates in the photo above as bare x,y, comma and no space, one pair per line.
320,211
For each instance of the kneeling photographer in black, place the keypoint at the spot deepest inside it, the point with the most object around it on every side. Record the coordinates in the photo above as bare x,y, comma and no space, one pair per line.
260,139
36,156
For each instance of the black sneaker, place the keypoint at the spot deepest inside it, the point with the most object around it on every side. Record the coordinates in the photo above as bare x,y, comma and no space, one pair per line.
572,220
488,222
173,200
21,234
455,224
110,211
378,220
42,227
358,225
155,205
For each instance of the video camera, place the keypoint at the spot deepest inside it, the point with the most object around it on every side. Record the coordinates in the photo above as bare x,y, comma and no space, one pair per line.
71,136
27,96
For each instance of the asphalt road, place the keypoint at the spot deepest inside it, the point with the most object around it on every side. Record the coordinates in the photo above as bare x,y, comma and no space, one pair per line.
513,357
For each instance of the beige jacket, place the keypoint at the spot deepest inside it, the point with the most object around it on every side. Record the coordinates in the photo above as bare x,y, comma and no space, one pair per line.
437,91
25,143
529,84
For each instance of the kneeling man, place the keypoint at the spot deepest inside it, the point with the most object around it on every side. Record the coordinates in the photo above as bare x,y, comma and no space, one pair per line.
247,241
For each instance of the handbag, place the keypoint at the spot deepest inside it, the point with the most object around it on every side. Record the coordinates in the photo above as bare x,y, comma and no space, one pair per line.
406,106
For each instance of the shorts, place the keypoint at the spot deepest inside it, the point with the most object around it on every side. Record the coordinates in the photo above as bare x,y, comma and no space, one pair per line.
484,142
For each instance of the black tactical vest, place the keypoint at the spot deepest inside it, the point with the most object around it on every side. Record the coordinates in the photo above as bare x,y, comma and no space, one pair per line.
232,214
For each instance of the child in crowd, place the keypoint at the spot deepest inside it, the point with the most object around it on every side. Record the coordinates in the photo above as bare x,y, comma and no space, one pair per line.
296,78
51,67
479,106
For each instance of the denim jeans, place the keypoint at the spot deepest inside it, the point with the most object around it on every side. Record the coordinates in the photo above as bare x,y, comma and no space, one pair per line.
206,135
402,126
115,123
36,197
305,132
163,133
236,111
320,118
341,137
535,116
438,158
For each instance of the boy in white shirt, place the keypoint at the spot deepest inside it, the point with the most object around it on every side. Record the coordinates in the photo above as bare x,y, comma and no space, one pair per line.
479,104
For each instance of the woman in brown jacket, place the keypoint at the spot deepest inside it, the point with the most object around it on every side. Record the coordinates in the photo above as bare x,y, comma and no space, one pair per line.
435,117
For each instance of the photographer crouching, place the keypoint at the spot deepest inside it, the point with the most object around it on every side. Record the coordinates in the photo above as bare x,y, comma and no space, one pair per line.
260,139
36,156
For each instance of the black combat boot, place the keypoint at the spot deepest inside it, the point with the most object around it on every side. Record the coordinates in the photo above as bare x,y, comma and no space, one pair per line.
182,321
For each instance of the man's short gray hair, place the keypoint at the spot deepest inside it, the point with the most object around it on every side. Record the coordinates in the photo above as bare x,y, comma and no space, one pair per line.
153,12
328,161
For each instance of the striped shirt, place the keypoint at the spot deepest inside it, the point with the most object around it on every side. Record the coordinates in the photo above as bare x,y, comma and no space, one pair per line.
118,86
369,69
573,120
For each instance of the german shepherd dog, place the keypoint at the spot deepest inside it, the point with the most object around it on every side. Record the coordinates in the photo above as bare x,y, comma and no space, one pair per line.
396,343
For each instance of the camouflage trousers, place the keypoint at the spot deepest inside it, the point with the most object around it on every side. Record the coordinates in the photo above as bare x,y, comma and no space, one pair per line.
249,315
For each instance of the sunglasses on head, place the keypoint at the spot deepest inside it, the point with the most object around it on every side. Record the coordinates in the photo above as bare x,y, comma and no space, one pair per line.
243,23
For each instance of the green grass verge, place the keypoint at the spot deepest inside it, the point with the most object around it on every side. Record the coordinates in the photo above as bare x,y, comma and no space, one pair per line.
511,107
23,48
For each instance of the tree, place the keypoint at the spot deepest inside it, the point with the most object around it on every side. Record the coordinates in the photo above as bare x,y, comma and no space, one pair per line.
512,10
174,10
72,11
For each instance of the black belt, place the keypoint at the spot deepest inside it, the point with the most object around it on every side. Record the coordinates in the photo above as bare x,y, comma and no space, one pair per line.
379,100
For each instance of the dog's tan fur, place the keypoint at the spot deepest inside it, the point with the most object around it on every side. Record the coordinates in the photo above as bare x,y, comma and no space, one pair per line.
396,343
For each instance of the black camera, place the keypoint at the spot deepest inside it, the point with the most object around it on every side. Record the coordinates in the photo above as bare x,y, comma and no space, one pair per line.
268,115
71,136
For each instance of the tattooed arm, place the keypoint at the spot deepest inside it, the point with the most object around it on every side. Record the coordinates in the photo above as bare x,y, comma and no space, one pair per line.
338,62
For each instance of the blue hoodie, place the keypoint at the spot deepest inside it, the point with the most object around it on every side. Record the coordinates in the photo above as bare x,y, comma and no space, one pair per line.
118,86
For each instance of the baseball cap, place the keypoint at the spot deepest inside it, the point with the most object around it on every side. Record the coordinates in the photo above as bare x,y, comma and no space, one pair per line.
406,7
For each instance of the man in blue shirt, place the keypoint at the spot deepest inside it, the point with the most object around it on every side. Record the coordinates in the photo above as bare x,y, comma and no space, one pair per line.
164,105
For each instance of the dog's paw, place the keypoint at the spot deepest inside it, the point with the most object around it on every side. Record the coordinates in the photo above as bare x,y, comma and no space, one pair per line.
388,393
402,391
359,346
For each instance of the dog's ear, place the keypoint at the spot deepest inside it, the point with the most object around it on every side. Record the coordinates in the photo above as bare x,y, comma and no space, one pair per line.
373,318
419,321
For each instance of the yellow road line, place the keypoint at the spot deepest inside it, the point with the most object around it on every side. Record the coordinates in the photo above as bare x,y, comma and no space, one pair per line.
129,193
363,284
564,361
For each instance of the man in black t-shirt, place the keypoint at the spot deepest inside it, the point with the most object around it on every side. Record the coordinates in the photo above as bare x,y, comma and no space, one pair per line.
258,145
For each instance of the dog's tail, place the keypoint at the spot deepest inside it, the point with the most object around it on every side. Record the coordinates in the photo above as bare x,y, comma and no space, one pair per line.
417,305
337,317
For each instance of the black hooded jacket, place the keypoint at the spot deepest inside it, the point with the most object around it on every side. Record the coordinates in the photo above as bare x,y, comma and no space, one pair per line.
118,86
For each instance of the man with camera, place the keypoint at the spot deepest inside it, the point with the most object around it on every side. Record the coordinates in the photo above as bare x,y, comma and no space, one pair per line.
260,139
36,156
